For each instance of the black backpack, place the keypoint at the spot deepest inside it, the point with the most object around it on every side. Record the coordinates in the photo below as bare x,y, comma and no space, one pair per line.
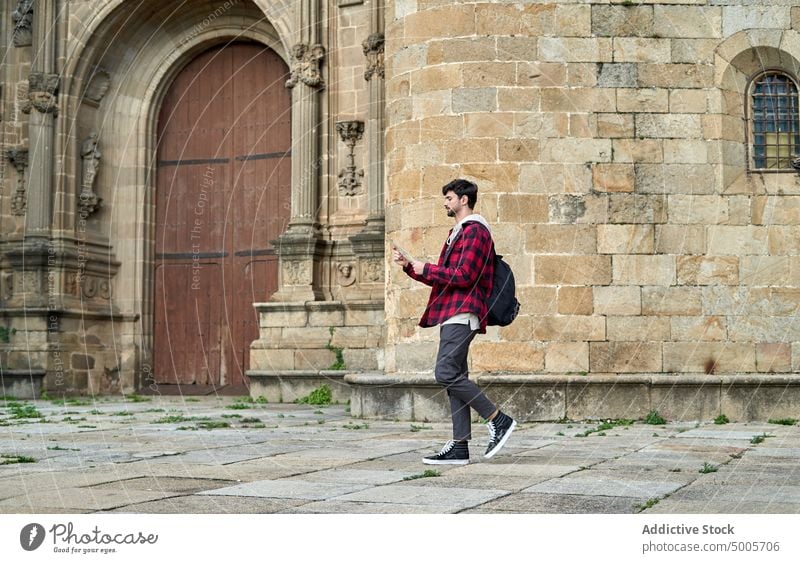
503,304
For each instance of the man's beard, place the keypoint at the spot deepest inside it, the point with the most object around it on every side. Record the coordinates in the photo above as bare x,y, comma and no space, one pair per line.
451,213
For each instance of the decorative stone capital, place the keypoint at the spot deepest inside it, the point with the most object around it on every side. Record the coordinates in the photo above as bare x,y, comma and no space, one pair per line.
350,131
19,158
42,93
373,50
306,66
22,17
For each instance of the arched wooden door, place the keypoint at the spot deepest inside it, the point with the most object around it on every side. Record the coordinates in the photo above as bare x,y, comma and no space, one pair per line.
223,192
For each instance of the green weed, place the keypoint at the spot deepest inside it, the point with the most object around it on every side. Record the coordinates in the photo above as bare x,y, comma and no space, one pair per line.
721,419
420,427
320,396
6,459
708,468
427,473
351,426
783,421
654,418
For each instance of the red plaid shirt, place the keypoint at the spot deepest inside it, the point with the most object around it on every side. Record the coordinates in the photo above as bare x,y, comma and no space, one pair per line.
463,282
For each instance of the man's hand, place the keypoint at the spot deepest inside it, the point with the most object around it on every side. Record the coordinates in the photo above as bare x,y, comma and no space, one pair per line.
419,267
398,258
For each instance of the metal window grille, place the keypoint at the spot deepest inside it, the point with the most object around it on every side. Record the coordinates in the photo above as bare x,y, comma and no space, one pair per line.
776,131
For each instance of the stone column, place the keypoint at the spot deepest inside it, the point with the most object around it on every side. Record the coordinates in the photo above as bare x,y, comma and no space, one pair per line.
368,245
374,74
43,107
298,248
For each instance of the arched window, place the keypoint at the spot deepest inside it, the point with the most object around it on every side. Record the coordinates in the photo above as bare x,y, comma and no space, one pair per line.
775,123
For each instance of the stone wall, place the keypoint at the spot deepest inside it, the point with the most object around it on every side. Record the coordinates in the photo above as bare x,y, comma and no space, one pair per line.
609,144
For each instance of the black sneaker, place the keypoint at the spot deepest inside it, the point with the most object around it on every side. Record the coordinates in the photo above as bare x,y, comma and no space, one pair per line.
500,430
453,453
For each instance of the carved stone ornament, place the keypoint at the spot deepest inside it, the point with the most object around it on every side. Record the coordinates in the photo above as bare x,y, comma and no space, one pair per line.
346,274
88,202
42,93
306,66
19,158
373,270
22,17
373,50
349,177
98,86
296,273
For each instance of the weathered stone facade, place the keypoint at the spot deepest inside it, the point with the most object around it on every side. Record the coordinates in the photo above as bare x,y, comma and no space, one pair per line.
613,145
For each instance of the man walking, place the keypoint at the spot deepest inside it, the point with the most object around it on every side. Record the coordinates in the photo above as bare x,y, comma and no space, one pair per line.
461,283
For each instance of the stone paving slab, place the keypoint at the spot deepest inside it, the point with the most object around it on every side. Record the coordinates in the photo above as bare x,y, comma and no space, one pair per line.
449,499
587,483
309,459
288,488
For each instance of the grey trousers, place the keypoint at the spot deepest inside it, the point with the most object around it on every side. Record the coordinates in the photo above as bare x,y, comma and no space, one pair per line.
452,373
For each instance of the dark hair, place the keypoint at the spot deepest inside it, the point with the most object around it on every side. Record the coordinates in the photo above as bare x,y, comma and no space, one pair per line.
463,188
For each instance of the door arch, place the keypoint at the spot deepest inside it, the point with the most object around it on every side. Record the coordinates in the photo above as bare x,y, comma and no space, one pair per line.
222,194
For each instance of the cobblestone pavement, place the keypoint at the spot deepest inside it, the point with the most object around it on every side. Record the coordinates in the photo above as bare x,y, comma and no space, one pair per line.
223,455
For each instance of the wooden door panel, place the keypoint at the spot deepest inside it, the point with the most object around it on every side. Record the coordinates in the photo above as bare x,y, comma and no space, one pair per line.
223,193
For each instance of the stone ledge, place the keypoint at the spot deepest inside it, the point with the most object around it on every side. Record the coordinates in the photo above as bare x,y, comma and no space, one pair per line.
552,397
285,386
22,384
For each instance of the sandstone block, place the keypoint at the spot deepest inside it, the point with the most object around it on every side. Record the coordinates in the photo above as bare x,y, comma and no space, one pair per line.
568,328
582,74
620,21
573,21
641,50
680,239
576,150
439,77
764,329
523,208
489,125
462,50
709,357
638,269
641,100
677,126
488,74
561,239
685,151
762,271
776,210
537,300
627,328
617,75
708,270
613,300
518,150
613,177
577,100
738,18
774,357
516,48
688,101
518,99
435,102
625,357
572,270
471,150
578,209
676,75
668,301
638,150
625,239
733,300
532,20
700,209
575,301
737,240
613,125
784,240
693,50
636,208
687,21
473,99
698,329
675,178
506,356
454,20
566,357
574,49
